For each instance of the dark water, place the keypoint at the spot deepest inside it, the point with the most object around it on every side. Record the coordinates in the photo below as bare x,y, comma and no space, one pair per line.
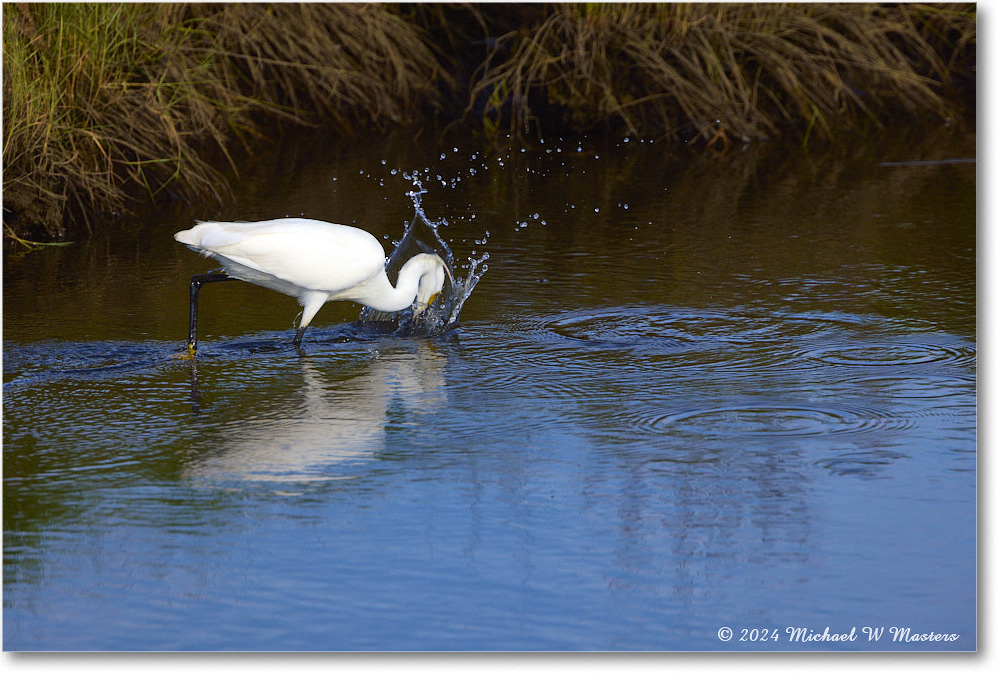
691,393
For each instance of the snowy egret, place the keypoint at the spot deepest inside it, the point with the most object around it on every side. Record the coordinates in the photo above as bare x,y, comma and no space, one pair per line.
312,261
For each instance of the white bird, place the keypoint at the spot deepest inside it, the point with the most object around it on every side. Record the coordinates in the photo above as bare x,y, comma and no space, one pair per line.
314,262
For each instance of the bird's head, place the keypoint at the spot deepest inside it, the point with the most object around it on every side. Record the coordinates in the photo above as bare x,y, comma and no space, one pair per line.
433,273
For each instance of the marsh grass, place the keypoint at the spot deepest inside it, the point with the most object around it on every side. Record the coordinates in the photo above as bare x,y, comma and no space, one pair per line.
726,71
108,103
53,58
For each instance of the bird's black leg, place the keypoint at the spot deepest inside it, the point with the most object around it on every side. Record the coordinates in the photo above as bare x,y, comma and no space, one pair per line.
297,341
196,283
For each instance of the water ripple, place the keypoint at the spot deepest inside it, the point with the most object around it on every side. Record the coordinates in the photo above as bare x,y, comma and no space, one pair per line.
735,326
729,339
629,352
860,462
46,360
771,419
938,387
892,354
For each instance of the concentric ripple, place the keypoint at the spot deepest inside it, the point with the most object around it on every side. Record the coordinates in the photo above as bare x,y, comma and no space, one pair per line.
633,337
770,420
632,352
735,326
734,338
893,354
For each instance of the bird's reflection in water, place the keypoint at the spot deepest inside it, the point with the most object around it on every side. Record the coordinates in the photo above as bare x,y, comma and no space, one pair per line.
333,426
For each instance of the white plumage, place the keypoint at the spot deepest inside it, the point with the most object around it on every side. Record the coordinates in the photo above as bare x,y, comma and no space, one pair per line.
315,262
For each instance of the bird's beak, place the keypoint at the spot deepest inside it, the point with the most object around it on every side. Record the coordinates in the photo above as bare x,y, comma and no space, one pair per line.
420,307
430,301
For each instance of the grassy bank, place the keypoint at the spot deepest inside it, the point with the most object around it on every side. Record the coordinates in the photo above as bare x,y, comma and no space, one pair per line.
730,72
108,103
111,105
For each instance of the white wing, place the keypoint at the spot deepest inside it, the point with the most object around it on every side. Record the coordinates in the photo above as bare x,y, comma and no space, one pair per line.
310,254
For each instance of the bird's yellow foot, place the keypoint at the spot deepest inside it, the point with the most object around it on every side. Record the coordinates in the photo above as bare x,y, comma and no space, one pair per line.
186,354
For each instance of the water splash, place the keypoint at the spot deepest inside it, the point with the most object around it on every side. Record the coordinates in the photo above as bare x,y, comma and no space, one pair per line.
422,235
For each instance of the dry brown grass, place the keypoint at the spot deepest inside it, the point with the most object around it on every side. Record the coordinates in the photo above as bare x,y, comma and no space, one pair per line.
723,71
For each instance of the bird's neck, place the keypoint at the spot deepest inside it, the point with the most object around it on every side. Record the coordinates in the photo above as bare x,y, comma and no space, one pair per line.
395,299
